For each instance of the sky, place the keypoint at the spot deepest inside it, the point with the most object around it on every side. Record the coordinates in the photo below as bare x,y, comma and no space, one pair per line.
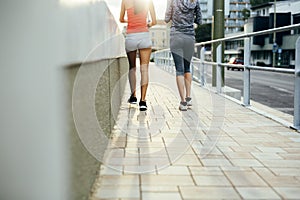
159,5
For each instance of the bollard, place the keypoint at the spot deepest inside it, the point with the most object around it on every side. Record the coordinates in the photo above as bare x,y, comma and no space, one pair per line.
219,69
297,87
247,55
201,71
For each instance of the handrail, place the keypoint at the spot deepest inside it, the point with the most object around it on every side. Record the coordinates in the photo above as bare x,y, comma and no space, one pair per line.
164,58
264,32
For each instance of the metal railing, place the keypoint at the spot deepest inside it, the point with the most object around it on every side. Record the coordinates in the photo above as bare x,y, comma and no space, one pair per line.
164,59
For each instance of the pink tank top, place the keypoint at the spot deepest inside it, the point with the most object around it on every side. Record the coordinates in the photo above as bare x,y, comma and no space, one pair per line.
136,22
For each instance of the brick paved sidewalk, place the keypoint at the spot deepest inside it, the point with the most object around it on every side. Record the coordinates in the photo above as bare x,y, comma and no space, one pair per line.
216,150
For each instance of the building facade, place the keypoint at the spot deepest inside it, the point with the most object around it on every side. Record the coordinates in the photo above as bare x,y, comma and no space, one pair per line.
207,10
233,10
237,11
283,46
234,21
160,35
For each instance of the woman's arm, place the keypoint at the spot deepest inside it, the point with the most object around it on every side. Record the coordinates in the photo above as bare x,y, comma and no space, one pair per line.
122,13
168,14
152,14
198,13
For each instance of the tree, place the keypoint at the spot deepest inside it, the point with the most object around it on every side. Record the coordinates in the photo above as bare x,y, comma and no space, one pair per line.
203,33
246,13
258,2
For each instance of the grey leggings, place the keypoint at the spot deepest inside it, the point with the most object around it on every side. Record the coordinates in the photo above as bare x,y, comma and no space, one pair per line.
182,48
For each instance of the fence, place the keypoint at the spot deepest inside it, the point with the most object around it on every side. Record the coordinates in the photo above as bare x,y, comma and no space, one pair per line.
163,58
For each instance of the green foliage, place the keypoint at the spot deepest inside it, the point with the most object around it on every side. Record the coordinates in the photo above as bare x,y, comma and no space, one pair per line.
258,2
246,13
203,33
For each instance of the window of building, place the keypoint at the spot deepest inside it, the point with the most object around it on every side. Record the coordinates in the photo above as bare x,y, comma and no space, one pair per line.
255,55
239,14
293,55
265,55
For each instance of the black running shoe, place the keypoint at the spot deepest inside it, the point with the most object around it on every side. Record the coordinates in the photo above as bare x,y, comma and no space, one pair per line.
143,106
132,99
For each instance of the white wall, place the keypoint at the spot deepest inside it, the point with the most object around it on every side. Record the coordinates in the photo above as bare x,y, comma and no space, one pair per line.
38,38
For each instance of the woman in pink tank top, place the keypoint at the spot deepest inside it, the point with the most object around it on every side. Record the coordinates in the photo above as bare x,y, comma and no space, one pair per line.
138,39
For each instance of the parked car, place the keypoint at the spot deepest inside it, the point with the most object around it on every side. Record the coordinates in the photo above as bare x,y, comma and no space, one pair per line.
237,61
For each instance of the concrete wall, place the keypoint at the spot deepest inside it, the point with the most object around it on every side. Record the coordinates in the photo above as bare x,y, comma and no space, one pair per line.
43,46
91,119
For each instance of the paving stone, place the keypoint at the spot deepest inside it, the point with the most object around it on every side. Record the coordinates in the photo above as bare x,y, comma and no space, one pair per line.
161,195
159,188
237,168
290,156
288,192
271,149
110,180
139,169
245,178
186,160
122,161
166,180
211,171
155,161
209,180
281,163
117,192
282,181
242,155
245,162
174,170
196,192
286,171
215,162
257,193
266,156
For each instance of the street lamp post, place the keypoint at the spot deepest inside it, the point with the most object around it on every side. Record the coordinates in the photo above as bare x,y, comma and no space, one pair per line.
274,36
217,32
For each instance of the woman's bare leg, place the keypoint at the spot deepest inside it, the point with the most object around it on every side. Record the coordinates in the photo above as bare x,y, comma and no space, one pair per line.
132,71
144,63
188,83
180,85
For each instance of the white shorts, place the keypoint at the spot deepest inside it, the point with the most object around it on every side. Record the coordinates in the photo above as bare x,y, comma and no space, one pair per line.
134,41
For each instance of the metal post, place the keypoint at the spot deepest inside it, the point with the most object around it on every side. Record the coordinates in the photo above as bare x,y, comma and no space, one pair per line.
247,56
297,88
217,32
219,69
274,36
169,69
202,75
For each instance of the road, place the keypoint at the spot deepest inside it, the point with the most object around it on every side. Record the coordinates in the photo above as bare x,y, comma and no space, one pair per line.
275,90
